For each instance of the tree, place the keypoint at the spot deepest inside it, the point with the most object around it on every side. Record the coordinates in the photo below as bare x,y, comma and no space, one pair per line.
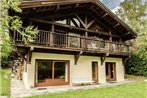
11,23
134,13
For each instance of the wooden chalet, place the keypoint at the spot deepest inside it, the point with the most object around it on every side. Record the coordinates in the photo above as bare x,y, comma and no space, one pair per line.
79,42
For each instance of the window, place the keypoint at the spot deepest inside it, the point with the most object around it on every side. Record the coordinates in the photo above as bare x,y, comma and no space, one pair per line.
51,70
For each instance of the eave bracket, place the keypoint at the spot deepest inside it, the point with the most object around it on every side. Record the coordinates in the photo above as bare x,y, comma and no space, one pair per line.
77,56
103,58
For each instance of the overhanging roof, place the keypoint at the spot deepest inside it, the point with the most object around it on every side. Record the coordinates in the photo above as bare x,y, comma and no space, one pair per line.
107,16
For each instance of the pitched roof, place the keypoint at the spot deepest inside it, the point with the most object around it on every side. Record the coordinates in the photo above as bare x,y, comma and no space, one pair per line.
109,18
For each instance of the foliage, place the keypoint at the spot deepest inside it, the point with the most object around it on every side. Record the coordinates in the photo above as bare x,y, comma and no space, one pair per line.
137,65
134,13
12,23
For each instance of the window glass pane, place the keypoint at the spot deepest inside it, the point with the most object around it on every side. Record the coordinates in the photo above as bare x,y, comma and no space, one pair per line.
59,70
44,70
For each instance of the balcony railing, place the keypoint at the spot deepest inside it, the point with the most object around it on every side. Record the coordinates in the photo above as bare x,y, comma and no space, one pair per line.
59,40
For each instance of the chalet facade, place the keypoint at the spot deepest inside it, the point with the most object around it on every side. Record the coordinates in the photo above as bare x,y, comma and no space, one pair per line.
79,41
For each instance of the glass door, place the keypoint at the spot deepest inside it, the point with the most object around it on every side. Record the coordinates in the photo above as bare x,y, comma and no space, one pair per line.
52,73
95,71
110,71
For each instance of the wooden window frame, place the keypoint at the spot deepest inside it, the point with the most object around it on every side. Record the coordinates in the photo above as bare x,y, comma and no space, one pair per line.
53,71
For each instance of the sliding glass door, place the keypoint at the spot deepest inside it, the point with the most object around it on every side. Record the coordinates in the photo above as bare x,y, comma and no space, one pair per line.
52,72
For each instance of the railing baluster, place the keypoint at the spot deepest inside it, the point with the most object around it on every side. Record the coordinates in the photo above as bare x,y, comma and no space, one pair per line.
72,41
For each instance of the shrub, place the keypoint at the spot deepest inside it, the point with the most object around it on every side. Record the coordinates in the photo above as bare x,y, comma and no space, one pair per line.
137,65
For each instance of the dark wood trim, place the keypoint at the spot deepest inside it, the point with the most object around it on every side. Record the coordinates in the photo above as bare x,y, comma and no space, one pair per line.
103,58
90,23
116,25
77,56
80,20
32,4
104,15
126,34
74,22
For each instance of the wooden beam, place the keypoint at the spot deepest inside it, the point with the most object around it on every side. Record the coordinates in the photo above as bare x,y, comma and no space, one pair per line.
80,20
125,34
103,58
116,25
51,34
90,23
39,3
77,5
77,56
74,22
101,17
58,7
104,15
97,19
110,39
73,27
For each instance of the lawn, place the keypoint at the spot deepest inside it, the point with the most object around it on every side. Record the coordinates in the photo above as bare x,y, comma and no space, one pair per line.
5,82
133,90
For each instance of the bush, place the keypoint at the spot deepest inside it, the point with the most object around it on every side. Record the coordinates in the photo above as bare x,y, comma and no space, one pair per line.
137,65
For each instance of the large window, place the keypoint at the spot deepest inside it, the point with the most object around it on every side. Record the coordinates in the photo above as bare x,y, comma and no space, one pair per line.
51,70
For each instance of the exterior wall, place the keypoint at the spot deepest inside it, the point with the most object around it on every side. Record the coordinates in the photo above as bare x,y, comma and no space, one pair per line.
80,72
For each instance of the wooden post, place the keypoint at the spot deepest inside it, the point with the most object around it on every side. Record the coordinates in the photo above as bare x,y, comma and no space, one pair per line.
51,34
110,39
67,39
86,33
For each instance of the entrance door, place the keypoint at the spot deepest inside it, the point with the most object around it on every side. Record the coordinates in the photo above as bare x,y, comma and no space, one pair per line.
95,72
52,73
110,71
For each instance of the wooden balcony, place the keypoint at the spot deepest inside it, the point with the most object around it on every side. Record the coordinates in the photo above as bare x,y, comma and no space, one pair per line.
71,42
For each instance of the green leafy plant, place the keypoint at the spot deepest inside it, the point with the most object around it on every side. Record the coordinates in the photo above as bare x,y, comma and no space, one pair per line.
134,13
13,23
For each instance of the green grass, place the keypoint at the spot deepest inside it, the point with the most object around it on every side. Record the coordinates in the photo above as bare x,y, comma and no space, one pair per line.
133,90
5,82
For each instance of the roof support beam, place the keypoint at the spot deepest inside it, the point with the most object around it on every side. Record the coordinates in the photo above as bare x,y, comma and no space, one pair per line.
90,23
104,15
73,27
116,25
125,34
80,20
74,22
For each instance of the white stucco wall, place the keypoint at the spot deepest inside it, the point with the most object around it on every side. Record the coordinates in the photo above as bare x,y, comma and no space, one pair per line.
80,72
